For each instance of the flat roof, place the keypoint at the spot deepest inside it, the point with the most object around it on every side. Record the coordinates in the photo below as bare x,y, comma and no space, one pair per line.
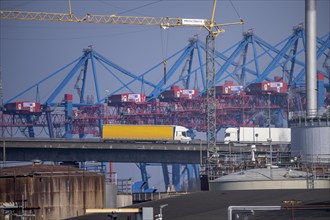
213,205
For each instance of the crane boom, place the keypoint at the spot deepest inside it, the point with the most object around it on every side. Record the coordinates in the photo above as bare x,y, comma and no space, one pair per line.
115,20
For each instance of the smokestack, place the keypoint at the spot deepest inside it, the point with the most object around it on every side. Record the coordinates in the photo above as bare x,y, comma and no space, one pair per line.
310,62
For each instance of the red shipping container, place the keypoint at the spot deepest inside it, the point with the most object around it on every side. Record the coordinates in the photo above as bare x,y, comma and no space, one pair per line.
277,87
175,92
228,89
23,107
128,97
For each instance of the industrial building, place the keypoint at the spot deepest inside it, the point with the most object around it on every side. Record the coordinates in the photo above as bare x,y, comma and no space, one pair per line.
49,192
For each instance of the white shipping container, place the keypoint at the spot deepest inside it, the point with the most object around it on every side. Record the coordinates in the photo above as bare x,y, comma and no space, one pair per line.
258,135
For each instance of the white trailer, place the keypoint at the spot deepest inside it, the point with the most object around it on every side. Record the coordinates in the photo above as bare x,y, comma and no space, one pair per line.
256,135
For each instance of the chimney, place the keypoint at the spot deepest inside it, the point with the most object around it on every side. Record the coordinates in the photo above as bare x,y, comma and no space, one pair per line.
310,62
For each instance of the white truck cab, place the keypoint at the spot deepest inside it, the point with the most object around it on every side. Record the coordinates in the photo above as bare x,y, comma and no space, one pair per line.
181,134
231,135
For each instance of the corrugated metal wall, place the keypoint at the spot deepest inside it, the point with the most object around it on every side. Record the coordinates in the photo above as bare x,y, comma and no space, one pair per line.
58,194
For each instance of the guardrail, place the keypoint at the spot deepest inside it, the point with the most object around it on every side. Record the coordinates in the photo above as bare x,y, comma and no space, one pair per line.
303,118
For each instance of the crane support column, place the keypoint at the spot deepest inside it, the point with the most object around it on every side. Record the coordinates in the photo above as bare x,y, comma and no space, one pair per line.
30,127
49,122
68,115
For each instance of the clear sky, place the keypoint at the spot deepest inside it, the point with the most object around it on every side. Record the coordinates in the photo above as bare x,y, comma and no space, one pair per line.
32,50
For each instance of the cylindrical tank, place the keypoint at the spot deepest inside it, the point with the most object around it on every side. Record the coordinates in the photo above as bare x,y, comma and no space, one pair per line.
57,192
311,143
260,179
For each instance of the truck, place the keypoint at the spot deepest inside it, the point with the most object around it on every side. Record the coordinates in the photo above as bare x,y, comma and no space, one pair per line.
149,133
254,135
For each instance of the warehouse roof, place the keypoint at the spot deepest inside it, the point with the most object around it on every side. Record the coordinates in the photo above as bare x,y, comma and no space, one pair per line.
40,169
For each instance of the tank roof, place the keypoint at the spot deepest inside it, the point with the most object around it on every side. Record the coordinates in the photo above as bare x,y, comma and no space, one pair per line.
263,174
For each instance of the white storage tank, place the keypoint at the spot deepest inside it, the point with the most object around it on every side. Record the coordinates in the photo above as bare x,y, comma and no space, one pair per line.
311,143
260,179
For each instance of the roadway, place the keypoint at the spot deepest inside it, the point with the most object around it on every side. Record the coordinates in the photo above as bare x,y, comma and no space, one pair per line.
22,149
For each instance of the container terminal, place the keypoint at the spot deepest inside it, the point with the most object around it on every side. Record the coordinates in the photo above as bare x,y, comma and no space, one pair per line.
272,159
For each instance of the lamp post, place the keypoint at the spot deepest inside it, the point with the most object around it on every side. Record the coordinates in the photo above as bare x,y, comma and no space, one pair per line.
106,105
288,103
160,215
2,121
270,140
106,122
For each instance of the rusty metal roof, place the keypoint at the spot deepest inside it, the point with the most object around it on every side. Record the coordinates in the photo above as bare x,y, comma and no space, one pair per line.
46,170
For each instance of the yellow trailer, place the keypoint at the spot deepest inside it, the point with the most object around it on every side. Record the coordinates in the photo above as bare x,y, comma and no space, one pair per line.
145,133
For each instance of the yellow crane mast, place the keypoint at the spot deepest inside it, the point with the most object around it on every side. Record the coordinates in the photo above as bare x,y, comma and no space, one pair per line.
211,26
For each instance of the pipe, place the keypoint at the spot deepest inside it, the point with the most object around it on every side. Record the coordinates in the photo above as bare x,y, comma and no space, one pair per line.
311,83
250,208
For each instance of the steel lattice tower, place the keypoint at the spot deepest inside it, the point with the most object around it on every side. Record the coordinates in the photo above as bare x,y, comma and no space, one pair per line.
211,103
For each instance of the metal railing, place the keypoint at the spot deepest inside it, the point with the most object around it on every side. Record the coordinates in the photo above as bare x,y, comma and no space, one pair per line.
319,117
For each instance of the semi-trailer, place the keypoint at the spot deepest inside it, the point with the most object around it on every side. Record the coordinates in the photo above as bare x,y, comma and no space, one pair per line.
152,133
251,135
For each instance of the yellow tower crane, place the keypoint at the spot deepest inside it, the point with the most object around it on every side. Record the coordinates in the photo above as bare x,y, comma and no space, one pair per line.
211,26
